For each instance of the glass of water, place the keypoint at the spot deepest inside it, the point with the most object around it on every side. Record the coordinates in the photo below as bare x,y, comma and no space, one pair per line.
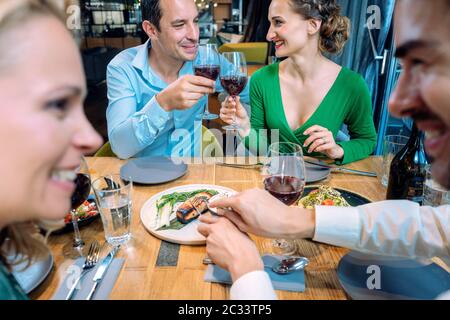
434,195
114,202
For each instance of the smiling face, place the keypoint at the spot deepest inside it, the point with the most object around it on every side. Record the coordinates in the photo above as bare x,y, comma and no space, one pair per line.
423,44
43,128
290,31
179,32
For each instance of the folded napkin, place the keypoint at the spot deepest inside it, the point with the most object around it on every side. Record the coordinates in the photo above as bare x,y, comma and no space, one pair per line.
85,285
294,282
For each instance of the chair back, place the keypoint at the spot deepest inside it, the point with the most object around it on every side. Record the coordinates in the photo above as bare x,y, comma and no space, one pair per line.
255,52
210,146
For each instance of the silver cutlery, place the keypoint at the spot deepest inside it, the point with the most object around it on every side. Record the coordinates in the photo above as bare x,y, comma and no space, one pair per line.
341,169
241,166
98,277
322,165
290,265
193,206
205,201
285,266
90,262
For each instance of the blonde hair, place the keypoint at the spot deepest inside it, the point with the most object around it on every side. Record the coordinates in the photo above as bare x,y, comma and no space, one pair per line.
335,29
13,14
22,238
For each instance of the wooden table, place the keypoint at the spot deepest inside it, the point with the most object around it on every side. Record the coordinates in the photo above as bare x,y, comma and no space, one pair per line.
142,279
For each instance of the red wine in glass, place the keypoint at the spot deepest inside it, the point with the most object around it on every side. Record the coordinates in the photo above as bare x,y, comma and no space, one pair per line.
82,190
285,188
207,71
207,65
234,85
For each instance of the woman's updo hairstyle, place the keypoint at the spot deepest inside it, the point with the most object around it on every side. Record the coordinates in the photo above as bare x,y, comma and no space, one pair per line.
335,29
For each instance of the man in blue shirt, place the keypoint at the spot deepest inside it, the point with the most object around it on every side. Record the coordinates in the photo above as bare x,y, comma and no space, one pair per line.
156,102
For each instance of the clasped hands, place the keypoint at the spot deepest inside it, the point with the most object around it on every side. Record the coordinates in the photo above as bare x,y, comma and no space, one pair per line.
253,211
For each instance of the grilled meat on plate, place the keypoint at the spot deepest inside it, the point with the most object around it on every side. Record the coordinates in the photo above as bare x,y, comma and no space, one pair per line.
187,213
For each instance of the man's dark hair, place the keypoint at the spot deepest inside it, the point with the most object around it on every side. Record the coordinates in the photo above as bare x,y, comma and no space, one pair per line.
151,11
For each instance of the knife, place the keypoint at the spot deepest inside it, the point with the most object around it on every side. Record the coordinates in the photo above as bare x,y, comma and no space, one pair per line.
102,270
341,169
241,166
333,168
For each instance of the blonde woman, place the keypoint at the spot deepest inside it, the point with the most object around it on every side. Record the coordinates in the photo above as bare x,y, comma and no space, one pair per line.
307,97
43,129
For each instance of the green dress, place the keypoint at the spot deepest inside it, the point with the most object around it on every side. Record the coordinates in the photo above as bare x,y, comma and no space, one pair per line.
348,102
9,288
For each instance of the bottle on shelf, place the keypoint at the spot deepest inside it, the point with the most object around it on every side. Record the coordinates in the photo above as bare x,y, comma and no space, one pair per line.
407,173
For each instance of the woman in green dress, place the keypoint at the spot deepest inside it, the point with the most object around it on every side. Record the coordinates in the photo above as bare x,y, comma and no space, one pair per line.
307,97
43,129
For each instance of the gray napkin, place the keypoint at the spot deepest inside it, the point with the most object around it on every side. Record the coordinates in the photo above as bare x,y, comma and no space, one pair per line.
294,282
85,285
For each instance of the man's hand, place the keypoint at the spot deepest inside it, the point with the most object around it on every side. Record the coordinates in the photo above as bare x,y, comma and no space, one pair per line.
258,212
228,247
185,92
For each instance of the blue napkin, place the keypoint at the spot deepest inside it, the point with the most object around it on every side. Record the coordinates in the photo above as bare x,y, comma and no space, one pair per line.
294,282
85,285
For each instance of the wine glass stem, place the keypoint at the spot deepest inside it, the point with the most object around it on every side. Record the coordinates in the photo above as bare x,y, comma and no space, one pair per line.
234,114
77,241
207,105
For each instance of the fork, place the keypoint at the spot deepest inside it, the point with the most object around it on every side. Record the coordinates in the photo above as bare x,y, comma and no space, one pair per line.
90,262
205,201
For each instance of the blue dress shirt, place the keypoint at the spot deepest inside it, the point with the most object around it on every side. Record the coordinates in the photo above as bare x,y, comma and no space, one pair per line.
137,125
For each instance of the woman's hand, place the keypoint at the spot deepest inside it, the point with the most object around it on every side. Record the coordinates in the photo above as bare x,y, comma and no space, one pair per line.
321,140
232,110
228,247
258,212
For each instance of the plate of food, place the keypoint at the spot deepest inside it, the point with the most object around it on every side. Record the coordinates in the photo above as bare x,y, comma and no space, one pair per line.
328,196
86,214
172,215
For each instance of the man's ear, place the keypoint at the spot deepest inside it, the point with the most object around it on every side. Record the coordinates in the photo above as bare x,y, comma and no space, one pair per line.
314,26
150,30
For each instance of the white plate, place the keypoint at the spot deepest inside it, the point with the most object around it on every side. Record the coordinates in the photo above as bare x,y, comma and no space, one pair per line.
187,235
30,278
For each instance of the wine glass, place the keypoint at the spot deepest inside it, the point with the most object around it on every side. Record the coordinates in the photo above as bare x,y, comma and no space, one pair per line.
207,64
233,78
285,178
78,247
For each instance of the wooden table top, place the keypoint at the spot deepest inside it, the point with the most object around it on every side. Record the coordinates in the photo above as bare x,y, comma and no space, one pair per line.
140,278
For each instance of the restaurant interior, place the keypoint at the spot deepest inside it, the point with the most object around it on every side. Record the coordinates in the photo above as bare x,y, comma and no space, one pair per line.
167,259
108,27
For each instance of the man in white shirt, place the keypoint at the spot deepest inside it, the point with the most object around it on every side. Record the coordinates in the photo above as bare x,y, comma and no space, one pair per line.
395,228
